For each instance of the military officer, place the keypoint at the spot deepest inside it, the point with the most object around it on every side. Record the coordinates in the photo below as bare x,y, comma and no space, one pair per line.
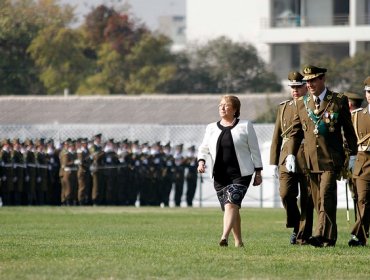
361,171
354,102
292,184
320,117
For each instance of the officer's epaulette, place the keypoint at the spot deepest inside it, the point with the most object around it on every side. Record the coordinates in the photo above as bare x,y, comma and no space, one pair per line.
340,95
285,101
357,110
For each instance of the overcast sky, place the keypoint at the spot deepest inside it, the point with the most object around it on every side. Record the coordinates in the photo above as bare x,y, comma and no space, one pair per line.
146,10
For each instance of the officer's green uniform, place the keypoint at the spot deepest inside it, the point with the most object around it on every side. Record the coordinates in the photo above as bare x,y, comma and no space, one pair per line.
321,128
361,170
292,184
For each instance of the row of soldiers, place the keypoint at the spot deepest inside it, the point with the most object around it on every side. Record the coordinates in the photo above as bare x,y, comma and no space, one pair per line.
93,172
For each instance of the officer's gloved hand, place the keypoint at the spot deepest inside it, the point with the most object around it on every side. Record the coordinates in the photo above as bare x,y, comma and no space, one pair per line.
351,162
275,171
290,163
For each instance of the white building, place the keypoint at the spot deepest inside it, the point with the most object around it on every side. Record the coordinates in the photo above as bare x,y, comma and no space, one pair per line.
280,28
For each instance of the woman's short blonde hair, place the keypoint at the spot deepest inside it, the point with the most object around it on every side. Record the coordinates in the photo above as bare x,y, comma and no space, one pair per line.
235,102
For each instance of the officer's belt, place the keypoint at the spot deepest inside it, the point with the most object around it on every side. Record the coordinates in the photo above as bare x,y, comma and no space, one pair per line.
69,169
363,148
19,165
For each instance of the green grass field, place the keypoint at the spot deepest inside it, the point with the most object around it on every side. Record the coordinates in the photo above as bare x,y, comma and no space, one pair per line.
159,243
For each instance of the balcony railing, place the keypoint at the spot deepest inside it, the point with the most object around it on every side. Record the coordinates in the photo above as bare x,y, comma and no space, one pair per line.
300,21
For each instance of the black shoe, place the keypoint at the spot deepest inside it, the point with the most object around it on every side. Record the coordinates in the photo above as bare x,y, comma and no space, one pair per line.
293,238
223,243
315,241
330,243
354,242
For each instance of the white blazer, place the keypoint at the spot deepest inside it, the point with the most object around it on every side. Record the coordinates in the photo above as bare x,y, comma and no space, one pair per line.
245,143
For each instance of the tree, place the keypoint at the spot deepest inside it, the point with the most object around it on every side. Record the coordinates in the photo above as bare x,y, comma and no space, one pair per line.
151,65
59,54
20,22
129,58
222,66
346,74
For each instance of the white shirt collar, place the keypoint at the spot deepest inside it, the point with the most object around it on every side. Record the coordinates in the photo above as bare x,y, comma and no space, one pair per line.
322,95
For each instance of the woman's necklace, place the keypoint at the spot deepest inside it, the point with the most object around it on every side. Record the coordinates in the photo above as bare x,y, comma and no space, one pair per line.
223,123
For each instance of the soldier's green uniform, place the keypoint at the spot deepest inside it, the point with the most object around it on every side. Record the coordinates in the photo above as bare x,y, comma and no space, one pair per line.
62,158
83,173
292,184
361,171
320,124
70,175
97,172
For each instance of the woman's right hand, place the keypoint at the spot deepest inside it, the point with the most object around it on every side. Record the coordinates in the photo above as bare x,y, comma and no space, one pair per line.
201,166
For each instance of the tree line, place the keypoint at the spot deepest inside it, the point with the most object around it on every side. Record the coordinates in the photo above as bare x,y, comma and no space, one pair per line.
111,52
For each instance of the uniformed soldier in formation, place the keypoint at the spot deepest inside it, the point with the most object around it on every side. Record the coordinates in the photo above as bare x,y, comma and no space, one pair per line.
361,171
54,187
83,172
7,173
96,168
110,173
191,175
123,152
167,174
320,117
30,172
68,163
179,174
292,184
62,158
18,171
41,172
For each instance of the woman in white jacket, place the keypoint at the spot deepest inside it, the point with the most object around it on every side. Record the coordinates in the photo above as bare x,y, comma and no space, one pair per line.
233,149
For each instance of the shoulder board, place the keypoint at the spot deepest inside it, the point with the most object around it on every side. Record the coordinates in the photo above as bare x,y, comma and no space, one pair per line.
357,110
340,95
285,101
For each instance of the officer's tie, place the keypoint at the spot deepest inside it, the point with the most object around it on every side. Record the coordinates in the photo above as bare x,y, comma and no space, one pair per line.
317,101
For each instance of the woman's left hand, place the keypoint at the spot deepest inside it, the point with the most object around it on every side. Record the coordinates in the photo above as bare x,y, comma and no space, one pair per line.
257,179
